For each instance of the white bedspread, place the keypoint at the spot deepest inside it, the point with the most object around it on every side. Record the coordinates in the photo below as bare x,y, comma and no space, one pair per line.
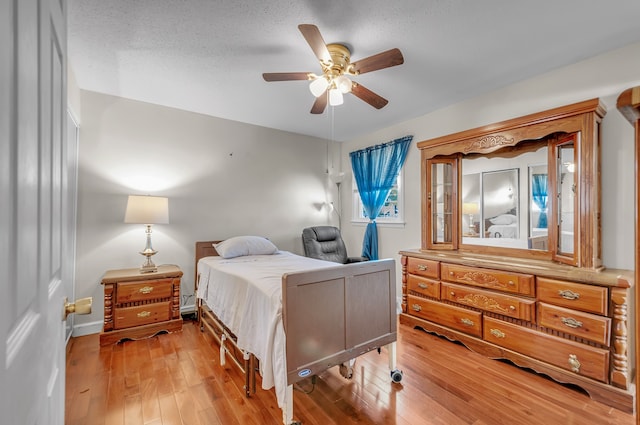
246,295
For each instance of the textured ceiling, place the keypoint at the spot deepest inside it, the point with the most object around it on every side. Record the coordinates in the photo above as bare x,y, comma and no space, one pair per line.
208,56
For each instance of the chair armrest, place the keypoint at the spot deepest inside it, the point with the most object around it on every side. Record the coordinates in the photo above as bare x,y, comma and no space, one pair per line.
356,259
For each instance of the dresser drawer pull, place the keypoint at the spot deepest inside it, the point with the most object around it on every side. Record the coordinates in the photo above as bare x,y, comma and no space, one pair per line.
466,322
416,307
571,322
511,283
574,363
451,273
497,333
146,289
144,314
423,285
512,307
453,294
568,295
422,267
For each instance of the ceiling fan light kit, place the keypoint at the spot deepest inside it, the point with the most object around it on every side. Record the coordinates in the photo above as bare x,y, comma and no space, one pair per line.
335,61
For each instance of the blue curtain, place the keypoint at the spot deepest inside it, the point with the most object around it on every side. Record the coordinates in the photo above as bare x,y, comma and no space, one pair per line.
539,194
375,170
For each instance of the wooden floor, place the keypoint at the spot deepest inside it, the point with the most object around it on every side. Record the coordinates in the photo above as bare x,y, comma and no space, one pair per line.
177,379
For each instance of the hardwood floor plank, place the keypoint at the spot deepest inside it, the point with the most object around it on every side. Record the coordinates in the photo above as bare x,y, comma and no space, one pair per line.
176,379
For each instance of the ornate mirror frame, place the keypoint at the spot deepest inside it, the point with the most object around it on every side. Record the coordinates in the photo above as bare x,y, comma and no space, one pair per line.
441,200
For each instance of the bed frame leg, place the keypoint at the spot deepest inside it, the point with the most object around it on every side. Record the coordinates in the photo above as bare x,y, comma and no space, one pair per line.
223,349
396,375
247,373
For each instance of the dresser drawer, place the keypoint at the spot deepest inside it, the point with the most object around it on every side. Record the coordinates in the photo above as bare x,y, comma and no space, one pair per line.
425,268
584,325
582,359
128,292
493,279
508,305
423,286
462,319
126,317
577,296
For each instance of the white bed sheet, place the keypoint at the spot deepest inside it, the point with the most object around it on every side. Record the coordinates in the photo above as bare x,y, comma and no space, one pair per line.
503,230
246,295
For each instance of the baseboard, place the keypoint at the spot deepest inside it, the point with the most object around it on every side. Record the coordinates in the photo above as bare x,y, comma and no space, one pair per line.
87,328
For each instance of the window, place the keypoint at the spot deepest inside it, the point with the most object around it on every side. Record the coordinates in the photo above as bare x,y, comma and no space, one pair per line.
392,212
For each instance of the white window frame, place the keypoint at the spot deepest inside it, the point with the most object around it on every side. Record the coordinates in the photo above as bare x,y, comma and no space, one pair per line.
358,210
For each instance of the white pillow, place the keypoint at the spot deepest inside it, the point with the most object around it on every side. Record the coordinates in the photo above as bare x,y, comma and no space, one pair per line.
504,219
245,245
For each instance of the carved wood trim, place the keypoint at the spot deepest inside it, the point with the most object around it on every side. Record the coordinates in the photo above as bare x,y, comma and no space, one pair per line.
620,362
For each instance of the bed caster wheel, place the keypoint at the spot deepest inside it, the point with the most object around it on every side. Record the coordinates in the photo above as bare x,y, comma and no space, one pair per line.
396,375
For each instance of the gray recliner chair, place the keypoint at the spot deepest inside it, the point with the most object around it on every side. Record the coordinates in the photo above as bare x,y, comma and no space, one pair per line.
325,243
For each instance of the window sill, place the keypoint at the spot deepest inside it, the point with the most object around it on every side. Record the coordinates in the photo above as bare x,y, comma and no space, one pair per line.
395,224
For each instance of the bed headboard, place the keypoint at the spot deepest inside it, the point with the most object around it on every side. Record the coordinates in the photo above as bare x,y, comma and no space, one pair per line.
203,249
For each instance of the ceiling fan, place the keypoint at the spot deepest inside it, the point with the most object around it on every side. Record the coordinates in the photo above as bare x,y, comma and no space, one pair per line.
335,60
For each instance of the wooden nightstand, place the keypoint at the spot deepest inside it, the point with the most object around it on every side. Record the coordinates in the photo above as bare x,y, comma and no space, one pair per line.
139,305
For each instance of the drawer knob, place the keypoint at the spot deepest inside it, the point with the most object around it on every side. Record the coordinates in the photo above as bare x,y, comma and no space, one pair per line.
571,322
511,283
497,333
423,285
416,307
450,273
568,295
144,314
146,289
574,363
452,293
422,267
466,322
512,307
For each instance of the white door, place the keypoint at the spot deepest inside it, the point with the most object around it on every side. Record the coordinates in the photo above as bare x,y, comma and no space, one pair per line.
33,228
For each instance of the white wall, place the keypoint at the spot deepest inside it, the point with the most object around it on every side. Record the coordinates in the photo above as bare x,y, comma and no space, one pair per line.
223,178
604,76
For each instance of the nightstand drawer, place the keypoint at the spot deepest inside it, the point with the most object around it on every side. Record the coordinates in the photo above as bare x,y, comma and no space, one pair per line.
142,315
128,292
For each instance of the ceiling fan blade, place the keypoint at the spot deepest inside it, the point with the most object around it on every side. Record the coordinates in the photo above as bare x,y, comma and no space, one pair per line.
312,34
382,60
320,104
286,76
368,96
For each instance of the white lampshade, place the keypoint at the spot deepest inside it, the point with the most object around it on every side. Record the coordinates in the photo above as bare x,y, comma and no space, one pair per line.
335,97
318,86
470,208
147,210
343,84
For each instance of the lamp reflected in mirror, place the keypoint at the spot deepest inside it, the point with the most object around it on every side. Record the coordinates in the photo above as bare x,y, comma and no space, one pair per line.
470,209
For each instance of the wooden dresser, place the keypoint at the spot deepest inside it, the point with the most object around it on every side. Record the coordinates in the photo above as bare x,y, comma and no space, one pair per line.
568,323
139,305
538,294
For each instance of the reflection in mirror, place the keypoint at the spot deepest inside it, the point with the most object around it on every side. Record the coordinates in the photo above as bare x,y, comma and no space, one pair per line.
442,194
505,201
567,196
538,212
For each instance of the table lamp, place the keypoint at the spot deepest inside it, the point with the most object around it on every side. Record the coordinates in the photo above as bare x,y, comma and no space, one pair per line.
147,210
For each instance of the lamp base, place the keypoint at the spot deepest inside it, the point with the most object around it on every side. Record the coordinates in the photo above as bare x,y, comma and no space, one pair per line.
148,266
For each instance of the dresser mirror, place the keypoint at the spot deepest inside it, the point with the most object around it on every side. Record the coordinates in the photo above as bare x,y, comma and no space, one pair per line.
527,187
504,198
